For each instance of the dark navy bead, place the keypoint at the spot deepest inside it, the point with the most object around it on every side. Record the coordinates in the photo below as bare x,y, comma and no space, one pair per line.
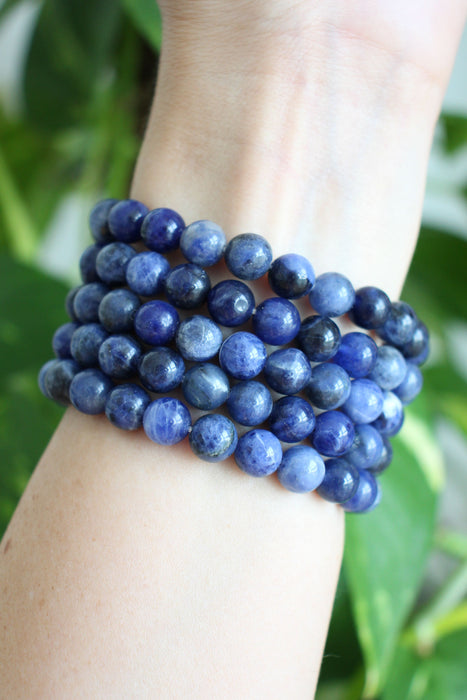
117,310
340,480
332,294
386,457
62,339
187,286
161,230
367,447
87,264
249,403
112,261
161,370
329,386
333,434
258,452
422,357
41,376
231,303
365,496
119,356
57,380
166,421
371,307
418,343
291,276
276,321
125,406
400,325
390,367
198,338
357,354
156,322
98,221
85,343
248,256
292,419
86,301
126,218
411,385
205,386
89,391
203,243
319,338
242,355
365,402
146,273
287,370
301,469
391,417
69,301
213,438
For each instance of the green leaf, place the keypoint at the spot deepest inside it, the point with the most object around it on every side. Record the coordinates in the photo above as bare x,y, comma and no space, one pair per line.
455,131
146,16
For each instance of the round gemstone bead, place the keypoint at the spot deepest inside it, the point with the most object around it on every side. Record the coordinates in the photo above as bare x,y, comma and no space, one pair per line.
249,403
161,370
422,357
166,421
418,343
385,459
146,273
162,229
301,470
340,480
203,243
198,338
292,419
287,370
365,401
291,276
332,294
126,218
276,321
87,264
89,391
62,339
112,261
85,343
391,417
333,434
248,256
356,354
206,386
41,376
156,322
390,367
371,307
125,406
242,355
258,452
231,303
367,447
400,324
187,286
69,301
411,385
119,356
319,338
98,220
57,380
86,301
329,386
117,310
213,438
365,496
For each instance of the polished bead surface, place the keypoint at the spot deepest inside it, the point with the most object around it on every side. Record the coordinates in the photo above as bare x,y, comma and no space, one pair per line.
187,286
203,243
248,256
161,370
319,338
205,386
301,470
249,403
112,261
411,385
98,220
365,401
333,434
385,459
213,438
69,301
126,218
292,419
242,355
340,480
146,273
389,369
258,452
61,341
117,310
57,380
166,421
391,417
287,370
119,356
89,390
156,322
418,343
400,324
41,376
86,301
87,264
367,447
125,406
162,229
371,307
332,294
85,343
291,276
198,338
329,386
231,303
365,496
421,357
356,354
276,321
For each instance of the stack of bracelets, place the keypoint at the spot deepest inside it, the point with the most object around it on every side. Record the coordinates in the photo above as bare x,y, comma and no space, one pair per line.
133,332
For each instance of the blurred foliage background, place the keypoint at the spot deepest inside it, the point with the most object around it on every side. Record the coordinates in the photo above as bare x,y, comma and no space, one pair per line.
76,79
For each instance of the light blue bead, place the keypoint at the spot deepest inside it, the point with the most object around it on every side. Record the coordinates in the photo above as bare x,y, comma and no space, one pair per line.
276,321
231,303
248,256
203,243
89,391
292,419
333,434
161,370
365,401
332,294
198,338
147,272
389,369
356,354
166,421
329,386
242,355
391,417
411,385
119,356
301,470
206,386
258,452
249,403
291,276
125,406
213,438
287,370
367,447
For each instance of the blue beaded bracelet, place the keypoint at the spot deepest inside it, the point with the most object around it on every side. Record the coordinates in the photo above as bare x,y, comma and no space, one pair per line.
296,397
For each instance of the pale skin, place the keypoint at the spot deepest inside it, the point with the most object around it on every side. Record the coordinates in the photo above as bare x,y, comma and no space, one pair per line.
136,571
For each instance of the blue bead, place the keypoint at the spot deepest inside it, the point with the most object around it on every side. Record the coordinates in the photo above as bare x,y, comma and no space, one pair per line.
319,338
198,338
213,438
340,480
125,406
98,220
287,370
187,286
161,370
301,469
89,391
332,294
365,496
203,243
112,261
291,276
86,301
41,376
371,307
333,434
391,417
357,354
390,367
166,421
156,322
231,303
386,457
248,256
418,344
126,218
117,310
367,447
69,301
249,403
161,230
242,355
365,402
422,356
400,325
57,380
329,386
258,452
61,340
205,386
87,264
146,273
276,321
292,419
411,385
119,356
85,343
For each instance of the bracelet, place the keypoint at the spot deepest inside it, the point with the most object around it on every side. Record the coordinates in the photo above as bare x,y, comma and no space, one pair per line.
336,398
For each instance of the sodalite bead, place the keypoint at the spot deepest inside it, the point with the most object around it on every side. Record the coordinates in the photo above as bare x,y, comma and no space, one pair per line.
119,356
85,343
301,470
125,406
242,355
400,324
61,340
162,229
340,480
356,354
187,286
89,390
329,386
112,261
41,376
87,264
276,321
205,386
292,419
365,401
418,344
391,417
332,294
69,301
161,370
371,307
385,459
98,221
367,447
249,403
147,272
291,276
198,339
333,434
366,495
248,256
213,438
117,310
57,379
166,421
319,338
411,385
156,322
203,243
287,370
231,303
390,368
126,218
258,452
86,301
